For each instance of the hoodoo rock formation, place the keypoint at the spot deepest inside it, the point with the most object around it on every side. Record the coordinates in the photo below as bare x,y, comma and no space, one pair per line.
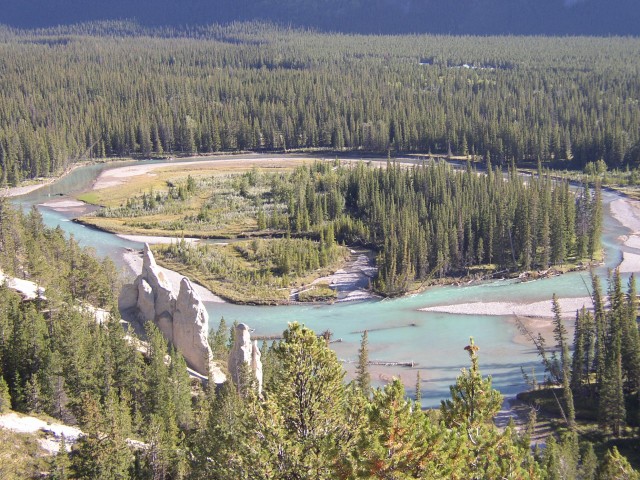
245,351
183,320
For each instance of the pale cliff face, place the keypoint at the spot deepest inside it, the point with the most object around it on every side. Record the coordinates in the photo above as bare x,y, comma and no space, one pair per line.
183,320
245,351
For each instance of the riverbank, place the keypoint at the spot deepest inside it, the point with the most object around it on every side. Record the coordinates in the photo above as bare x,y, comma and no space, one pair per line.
627,212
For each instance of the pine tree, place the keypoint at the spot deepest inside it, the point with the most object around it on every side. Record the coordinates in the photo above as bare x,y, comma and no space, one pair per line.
611,407
560,335
616,467
217,341
473,401
310,378
363,377
5,398
61,464
631,338
399,443
102,452
600,322
595,222
589,462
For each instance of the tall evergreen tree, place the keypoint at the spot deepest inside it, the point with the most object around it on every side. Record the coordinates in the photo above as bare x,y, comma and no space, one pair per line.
363,377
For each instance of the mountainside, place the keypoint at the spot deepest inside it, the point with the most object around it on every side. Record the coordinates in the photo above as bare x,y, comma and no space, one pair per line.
542,17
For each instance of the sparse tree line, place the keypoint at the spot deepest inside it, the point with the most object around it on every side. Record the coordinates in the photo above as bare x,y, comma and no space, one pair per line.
83,92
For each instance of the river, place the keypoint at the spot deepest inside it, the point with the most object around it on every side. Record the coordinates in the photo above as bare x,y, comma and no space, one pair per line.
398,331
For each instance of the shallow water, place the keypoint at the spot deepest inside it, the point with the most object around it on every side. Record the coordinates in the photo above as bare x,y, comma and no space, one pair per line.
398,332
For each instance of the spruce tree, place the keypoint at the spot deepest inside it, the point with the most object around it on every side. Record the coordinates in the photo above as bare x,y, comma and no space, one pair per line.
560,335
5,398
616,467
631,338
473,401
611,405
309,379
60,464
363,377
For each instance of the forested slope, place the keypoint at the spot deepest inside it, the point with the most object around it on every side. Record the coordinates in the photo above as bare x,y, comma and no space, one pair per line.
115,89
484,17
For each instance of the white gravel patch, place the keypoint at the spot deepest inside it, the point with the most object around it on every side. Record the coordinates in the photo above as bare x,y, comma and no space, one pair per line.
630,263
633,241
63,204
352,281
28,289
536,309
627,212
25,424
154,240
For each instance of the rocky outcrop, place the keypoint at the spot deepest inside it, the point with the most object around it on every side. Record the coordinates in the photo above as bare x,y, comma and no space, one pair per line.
183,320
191,326
245,351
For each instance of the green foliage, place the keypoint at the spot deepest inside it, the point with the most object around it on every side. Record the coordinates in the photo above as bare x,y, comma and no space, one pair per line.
102,452
5,398
615,466
363,377
399,441
473,402
425,221
60,464
309,379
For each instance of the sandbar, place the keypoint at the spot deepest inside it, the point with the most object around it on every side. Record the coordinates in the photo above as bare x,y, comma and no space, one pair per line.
543,309
154,240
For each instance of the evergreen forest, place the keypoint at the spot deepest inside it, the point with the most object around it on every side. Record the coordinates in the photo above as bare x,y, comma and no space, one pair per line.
110,89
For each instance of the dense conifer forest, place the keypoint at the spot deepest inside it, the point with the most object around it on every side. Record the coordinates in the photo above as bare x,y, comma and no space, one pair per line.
116,89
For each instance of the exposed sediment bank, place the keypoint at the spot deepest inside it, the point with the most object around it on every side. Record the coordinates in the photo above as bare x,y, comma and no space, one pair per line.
536,309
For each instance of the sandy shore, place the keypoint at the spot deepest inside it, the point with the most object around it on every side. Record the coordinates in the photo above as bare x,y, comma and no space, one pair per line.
17,191
68,206
134,261
630,263
627,212
118,176
352,281
536,309
153,240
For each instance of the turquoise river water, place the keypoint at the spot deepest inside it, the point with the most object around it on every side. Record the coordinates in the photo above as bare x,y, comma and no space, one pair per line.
398,331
